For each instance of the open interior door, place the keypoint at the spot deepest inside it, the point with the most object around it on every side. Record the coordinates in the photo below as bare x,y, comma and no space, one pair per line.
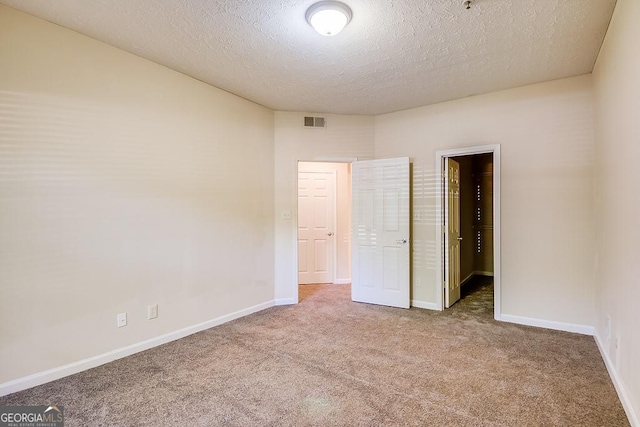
380,227
452,232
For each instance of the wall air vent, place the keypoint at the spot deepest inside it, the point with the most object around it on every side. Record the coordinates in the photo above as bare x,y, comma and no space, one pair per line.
314,122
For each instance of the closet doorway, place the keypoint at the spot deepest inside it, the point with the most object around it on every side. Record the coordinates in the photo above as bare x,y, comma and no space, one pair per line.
469,209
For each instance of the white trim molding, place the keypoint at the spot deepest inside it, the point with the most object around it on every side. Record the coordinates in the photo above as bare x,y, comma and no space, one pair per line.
549,324
634,420
466,279
294,223
92,362
425,304
332,159
483,273
475,274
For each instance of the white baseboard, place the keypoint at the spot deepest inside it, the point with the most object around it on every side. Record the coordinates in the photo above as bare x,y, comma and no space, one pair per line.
424,304
91,362
483,273
286,301
549,324
474,274
466,279
617,383
342,281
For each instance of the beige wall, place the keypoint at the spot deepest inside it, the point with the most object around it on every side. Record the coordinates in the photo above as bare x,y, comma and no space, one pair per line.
617,113
546,137
123,184
342,231
345,137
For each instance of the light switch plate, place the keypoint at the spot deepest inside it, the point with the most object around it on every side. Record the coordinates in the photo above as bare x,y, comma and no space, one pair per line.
286,215
152,311
122,320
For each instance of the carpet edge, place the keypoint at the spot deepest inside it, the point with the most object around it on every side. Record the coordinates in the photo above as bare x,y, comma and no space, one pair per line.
425,304
549,324
617,383
53,374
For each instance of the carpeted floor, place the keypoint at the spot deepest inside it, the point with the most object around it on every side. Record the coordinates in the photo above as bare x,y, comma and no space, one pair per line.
476,299
331,362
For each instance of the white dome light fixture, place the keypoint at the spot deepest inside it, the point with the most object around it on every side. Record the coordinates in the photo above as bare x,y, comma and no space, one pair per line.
328,17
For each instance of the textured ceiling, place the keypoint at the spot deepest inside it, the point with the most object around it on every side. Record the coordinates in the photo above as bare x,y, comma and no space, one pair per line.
393,55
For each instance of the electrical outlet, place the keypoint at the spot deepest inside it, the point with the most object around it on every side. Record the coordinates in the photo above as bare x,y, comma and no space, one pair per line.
152,311
286,215
418,283
122,320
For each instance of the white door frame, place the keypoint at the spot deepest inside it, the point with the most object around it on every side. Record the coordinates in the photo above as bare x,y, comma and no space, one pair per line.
295,217
334,219
469,151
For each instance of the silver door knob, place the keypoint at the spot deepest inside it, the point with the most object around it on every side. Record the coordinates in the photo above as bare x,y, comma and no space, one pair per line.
329,234
459,238
401,241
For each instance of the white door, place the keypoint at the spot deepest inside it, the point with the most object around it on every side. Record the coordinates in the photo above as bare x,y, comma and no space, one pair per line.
380,227
316,212
452,232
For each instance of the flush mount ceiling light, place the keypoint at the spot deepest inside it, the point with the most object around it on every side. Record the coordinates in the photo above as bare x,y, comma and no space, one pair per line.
328,17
